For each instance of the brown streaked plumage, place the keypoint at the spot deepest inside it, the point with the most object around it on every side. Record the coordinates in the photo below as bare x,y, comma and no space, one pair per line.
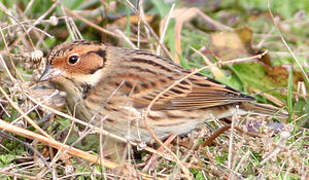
119,83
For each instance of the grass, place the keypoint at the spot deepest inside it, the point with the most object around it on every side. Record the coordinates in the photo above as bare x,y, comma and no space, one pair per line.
256,148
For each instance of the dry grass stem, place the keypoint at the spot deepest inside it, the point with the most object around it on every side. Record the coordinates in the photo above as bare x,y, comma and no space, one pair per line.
40,139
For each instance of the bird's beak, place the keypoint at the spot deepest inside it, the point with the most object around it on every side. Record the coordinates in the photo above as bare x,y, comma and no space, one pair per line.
49,73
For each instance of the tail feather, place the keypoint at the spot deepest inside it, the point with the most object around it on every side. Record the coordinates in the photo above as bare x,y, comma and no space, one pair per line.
265,109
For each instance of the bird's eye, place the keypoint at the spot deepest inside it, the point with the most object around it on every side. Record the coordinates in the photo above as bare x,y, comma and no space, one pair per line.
73,59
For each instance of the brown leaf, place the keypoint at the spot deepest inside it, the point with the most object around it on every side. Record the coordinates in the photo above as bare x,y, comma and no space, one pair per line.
231,45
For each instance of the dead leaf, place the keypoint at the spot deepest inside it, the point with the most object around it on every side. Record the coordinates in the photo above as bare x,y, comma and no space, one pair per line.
132,20
231,45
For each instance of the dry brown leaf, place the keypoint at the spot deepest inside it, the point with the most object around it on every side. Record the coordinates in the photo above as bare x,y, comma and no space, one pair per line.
231,45
132,20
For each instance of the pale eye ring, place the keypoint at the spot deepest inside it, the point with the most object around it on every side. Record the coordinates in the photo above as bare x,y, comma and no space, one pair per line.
73,59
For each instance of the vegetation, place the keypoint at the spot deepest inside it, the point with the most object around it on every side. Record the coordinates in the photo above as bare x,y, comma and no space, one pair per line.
259,47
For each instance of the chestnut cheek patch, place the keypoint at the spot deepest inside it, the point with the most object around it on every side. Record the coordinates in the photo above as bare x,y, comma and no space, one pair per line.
102,54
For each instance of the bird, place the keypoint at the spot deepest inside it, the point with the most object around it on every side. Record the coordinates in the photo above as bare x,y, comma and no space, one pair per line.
115,85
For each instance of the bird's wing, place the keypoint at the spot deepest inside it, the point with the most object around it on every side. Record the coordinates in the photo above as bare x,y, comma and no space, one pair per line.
194,92
147,75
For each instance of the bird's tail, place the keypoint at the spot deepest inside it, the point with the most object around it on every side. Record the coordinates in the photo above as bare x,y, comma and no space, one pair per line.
265,109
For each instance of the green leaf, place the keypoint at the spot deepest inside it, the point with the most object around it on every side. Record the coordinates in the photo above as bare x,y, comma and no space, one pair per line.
162,7
255,75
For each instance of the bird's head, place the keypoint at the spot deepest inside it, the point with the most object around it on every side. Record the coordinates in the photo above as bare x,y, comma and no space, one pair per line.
80,62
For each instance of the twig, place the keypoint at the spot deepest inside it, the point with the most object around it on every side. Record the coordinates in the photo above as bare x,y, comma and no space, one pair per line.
53,143
96,129
165,28
126,39
61,147
216,24
215,135
148,27
29,120
94,25
288,47
230,155
145,115
44,15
